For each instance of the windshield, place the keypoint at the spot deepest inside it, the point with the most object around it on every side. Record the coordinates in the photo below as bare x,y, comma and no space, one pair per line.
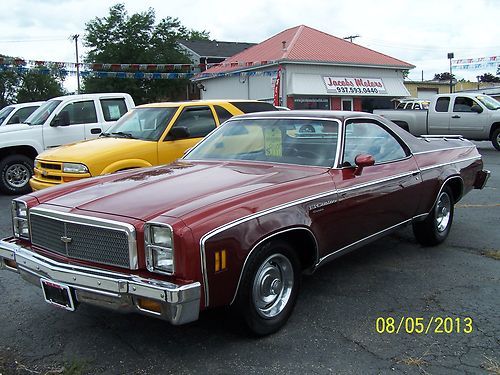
290,141
488,102
5,112
42,113
142,123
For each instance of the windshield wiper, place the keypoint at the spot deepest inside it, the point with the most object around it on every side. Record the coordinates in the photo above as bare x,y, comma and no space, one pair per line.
123,134
104,134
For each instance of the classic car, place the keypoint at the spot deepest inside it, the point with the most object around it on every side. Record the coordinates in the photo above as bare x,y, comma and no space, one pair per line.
263,199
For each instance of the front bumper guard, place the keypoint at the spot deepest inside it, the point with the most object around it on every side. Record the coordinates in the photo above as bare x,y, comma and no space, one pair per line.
179,303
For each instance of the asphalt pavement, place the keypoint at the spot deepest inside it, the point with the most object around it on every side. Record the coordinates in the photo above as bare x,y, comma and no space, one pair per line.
448,297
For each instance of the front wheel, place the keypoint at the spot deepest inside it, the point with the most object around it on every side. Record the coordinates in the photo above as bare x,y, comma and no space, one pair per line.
269,287
15,173
436,226
495,139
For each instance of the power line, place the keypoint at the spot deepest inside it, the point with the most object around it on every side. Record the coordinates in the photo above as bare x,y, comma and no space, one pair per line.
32,40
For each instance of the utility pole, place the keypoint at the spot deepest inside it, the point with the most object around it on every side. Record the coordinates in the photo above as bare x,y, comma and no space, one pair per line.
351,37
451,55
75,38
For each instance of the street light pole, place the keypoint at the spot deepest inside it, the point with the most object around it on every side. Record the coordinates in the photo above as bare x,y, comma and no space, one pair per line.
450,56
75,38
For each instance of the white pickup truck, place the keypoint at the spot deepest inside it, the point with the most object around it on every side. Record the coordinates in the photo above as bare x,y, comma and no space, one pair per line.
16,113
59,121
474,116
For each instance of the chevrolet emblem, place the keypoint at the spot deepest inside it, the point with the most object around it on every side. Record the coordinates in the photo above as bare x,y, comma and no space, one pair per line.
66,239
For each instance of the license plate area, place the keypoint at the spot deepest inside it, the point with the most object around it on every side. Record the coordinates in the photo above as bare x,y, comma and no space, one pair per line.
57,294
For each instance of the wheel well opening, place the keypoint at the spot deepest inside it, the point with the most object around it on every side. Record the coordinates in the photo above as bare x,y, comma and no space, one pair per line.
494,127
456,187
303,242
21,150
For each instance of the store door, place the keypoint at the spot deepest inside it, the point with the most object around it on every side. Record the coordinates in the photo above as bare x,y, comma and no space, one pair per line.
346,104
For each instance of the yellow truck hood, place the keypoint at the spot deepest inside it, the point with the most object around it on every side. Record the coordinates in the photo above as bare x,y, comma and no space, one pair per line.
98,153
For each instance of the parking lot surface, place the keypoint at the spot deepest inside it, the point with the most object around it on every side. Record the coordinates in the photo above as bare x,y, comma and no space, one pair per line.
332,330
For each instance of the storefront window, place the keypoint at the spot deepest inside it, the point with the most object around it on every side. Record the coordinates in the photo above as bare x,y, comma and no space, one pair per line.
311,103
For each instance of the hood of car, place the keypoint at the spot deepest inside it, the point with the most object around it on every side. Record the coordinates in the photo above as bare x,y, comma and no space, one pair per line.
104,150
15,128
173,190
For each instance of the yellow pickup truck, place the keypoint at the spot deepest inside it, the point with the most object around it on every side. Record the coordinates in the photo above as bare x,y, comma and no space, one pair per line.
147,135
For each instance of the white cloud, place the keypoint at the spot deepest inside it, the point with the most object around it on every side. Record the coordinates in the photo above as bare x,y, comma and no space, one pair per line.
421,33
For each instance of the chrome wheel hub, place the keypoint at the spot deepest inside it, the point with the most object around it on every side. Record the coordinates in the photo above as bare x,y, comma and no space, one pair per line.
272,285
17,175
443,212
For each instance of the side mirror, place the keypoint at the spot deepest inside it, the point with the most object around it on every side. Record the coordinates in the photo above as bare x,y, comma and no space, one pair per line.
178,132
476,108
62,119
362,161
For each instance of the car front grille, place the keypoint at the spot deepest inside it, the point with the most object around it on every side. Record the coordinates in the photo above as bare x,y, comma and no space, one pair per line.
84,238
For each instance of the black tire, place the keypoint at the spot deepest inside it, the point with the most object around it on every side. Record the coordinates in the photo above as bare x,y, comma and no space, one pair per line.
495,138
15,173
275,267
436,226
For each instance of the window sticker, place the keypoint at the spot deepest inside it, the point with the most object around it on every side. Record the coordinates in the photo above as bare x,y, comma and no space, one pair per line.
114,112
273,141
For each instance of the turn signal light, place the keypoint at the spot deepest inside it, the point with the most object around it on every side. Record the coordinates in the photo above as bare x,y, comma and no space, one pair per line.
149,305
10,263
220,260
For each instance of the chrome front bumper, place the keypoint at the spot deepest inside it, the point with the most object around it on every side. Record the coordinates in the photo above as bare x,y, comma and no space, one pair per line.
481,179
179,304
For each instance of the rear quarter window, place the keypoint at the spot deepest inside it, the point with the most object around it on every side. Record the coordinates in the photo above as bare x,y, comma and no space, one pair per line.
113,109
249,107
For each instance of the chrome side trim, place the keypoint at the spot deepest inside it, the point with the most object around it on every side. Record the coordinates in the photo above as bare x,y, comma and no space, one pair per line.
359,243
442,149
233,223
264,240
449,163
129,229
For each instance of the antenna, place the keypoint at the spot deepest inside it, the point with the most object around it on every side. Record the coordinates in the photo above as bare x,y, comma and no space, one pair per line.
351,37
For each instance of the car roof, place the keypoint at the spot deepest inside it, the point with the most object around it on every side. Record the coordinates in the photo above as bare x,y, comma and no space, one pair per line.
312,114
196,102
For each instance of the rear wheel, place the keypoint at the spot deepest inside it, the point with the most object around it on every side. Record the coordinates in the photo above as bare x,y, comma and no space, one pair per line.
495,139
269,287
436,227
15,173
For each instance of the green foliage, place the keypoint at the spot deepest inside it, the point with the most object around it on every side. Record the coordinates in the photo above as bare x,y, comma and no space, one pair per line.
488,77
137,38
18,86
445,76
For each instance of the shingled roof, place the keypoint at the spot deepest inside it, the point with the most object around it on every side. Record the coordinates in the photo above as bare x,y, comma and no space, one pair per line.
213,48
305,44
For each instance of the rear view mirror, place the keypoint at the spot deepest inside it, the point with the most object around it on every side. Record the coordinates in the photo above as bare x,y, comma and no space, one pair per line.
362,161
476,108
178,132
62,119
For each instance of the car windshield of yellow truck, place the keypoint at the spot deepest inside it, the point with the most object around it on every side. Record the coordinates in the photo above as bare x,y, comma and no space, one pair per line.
142,123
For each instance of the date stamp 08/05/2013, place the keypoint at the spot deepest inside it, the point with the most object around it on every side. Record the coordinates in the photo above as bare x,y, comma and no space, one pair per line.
429,325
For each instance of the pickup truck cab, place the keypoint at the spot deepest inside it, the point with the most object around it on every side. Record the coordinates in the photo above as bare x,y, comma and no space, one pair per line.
150,134
17,113
59,121
474,116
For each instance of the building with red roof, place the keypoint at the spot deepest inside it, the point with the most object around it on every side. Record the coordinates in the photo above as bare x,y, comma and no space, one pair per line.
304,68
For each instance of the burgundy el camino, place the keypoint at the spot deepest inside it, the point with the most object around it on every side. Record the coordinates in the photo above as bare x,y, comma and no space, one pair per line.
239,218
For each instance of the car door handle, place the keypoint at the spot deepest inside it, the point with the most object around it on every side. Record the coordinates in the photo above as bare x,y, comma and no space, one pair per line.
456,116
95,131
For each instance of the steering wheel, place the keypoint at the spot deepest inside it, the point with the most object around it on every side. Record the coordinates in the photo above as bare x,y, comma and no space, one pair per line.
307,129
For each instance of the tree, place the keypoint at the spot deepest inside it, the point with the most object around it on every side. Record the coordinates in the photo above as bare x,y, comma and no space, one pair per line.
120,38
488,77
445,76
41,83
19,83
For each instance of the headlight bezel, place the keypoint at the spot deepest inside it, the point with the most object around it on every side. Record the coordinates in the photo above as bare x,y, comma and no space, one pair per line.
74,168
156,251
20,219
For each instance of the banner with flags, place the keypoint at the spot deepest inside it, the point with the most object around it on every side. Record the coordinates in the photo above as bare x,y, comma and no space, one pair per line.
476,63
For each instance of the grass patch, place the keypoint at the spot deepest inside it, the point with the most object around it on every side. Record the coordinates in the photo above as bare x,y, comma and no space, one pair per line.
491,365
493,254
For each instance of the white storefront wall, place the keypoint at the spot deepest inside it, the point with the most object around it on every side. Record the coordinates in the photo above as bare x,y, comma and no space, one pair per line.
299,80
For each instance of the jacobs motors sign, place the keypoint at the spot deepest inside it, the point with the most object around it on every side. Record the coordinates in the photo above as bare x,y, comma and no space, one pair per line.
355,86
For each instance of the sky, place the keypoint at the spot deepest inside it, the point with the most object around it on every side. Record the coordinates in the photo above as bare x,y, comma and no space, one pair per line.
421,33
